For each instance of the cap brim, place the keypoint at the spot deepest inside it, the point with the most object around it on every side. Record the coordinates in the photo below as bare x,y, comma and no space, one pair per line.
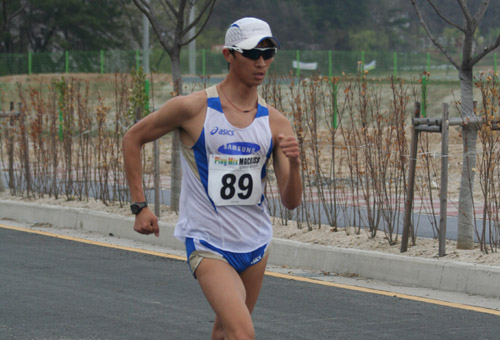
250,43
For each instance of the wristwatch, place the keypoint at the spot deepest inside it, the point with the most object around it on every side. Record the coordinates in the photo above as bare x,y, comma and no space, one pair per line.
136,207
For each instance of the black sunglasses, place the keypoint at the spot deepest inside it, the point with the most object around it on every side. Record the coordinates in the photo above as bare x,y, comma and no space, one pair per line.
256,53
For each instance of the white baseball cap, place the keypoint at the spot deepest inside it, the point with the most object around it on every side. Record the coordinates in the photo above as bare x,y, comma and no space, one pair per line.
246,33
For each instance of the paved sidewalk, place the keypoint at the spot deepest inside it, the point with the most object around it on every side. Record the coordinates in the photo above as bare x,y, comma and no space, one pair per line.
439,274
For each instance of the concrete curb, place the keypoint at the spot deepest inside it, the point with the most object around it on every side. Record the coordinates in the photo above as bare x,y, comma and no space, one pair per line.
407,271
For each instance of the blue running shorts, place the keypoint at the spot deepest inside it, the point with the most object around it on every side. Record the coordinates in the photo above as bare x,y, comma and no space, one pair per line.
197,250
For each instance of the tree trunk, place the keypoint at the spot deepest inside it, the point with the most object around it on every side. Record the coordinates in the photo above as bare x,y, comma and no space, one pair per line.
176,172
469,135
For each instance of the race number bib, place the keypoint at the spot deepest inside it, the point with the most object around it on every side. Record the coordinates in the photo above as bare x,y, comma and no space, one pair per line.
235,180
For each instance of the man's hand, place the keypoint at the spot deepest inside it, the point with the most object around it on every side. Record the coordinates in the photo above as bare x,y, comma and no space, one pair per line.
290,148
146,223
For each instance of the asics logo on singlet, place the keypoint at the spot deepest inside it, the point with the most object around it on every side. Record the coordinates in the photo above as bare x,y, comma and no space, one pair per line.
223,132
239,148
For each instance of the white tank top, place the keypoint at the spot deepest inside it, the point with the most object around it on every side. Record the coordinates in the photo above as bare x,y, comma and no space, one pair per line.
223,180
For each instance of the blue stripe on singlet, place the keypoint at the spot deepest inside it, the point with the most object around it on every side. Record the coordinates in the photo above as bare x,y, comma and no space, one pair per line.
214,103
262,111
200,156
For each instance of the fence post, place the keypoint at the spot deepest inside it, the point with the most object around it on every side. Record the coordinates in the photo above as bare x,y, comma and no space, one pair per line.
146,92
425,82
297,58
362,66
424,95
395,67
443,205
330,64
29,62
2,188
203,59
156,155
334,89
66,61
10,151
411,182
102,61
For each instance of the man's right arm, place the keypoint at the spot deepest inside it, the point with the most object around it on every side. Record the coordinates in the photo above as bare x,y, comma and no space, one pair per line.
177,113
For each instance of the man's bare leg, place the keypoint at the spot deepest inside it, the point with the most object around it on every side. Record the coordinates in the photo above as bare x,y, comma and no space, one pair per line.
232,296
226,294
252,280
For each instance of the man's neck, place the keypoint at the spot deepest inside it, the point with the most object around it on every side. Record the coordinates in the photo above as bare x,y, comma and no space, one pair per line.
239,94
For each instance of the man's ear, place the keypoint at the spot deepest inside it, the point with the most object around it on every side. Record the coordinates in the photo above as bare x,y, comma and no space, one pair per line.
227,55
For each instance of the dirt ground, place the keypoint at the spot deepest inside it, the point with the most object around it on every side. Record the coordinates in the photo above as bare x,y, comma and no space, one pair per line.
344,238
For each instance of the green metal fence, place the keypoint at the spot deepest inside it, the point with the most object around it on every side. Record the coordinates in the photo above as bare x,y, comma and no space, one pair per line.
303,63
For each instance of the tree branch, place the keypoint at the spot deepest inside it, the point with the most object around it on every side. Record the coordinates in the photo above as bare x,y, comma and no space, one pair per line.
172,8
195,20
465,10
449,22
480,11
431,36
486,50
164,39
143,6
168,11
182,17
16,13
208,3
131,25
471,26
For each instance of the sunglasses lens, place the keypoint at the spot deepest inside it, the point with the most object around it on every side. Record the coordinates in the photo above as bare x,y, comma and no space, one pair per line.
251,54
268,54
255,53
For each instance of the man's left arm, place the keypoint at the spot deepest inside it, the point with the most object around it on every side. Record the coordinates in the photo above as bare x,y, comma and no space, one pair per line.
286,157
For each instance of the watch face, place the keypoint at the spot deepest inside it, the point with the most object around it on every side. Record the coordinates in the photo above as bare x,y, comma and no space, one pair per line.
137,207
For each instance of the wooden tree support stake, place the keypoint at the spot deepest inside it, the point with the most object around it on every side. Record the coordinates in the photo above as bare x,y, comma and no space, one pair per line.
411,182
443,196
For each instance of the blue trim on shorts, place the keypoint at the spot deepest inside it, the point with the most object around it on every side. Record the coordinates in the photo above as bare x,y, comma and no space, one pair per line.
239,261
189,246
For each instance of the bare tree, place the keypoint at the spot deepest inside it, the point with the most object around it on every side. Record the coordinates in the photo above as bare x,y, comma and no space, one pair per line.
171,25
6,26
469,135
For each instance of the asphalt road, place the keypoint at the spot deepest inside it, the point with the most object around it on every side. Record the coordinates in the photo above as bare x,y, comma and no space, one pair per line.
52,288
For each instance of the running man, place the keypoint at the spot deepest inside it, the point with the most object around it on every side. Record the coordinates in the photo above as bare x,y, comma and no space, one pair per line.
227,133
